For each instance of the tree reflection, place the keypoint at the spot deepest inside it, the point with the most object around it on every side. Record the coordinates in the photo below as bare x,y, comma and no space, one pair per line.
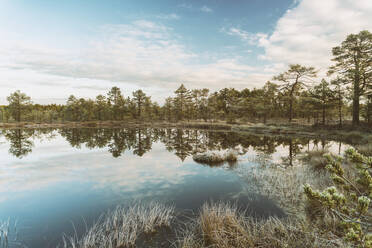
182,142
143,142
19,141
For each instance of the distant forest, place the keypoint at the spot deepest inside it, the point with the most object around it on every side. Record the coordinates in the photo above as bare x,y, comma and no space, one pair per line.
294,94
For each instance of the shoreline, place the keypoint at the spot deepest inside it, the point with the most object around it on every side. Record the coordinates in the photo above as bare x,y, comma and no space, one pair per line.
118,124
347,132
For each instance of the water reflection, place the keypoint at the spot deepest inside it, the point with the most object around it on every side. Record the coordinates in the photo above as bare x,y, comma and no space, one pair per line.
139,141
50,177
20,143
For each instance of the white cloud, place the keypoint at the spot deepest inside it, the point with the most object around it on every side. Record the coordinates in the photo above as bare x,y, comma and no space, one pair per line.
251,38
185,6
169,17
206,9
141,54
307,33
152,56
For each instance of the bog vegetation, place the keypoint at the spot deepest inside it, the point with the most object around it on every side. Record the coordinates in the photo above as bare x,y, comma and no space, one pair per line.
294,94
334,211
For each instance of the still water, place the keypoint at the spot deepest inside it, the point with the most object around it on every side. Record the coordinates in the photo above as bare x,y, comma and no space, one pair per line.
56,181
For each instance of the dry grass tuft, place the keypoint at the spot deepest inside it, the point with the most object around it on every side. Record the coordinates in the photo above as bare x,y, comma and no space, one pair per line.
365,149
223,226
215,158
211,158
122,227
231,156
316,159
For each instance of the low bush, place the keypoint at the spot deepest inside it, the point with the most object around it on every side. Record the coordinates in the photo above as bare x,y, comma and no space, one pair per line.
348,201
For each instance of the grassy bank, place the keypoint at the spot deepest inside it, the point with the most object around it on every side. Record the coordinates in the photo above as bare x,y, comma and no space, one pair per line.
118,124
346,133
224,226
217,225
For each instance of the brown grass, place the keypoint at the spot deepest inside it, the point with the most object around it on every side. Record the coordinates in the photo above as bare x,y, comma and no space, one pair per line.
122,227
215,158
316,159
365,149
223,226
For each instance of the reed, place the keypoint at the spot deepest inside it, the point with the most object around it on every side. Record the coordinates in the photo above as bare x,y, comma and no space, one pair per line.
4,233
316,158
283,185
123,226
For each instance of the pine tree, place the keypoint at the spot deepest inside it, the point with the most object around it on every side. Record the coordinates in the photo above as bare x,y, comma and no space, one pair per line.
181,102
18,103
353,63
293,81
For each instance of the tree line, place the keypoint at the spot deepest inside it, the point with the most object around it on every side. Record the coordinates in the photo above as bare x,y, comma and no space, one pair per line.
294,94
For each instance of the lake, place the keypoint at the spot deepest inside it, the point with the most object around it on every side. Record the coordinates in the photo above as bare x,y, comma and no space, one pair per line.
57,181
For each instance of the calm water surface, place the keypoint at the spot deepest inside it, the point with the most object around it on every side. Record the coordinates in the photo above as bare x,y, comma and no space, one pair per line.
52,180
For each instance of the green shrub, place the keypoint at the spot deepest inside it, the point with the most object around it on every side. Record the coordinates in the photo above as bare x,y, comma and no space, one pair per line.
348,202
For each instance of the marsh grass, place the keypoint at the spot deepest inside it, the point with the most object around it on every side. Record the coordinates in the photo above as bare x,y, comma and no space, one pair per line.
365,149
284,185
9,234
4,233
123,227
222,225
316,159
216,158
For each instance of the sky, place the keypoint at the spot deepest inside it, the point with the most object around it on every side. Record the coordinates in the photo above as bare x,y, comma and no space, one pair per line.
52,49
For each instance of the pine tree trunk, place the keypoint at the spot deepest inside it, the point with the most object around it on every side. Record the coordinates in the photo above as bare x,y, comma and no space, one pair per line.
356,95
356,108
19,113
290,109
340,110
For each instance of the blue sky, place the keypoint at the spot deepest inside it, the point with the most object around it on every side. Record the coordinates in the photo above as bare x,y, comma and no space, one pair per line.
51,49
